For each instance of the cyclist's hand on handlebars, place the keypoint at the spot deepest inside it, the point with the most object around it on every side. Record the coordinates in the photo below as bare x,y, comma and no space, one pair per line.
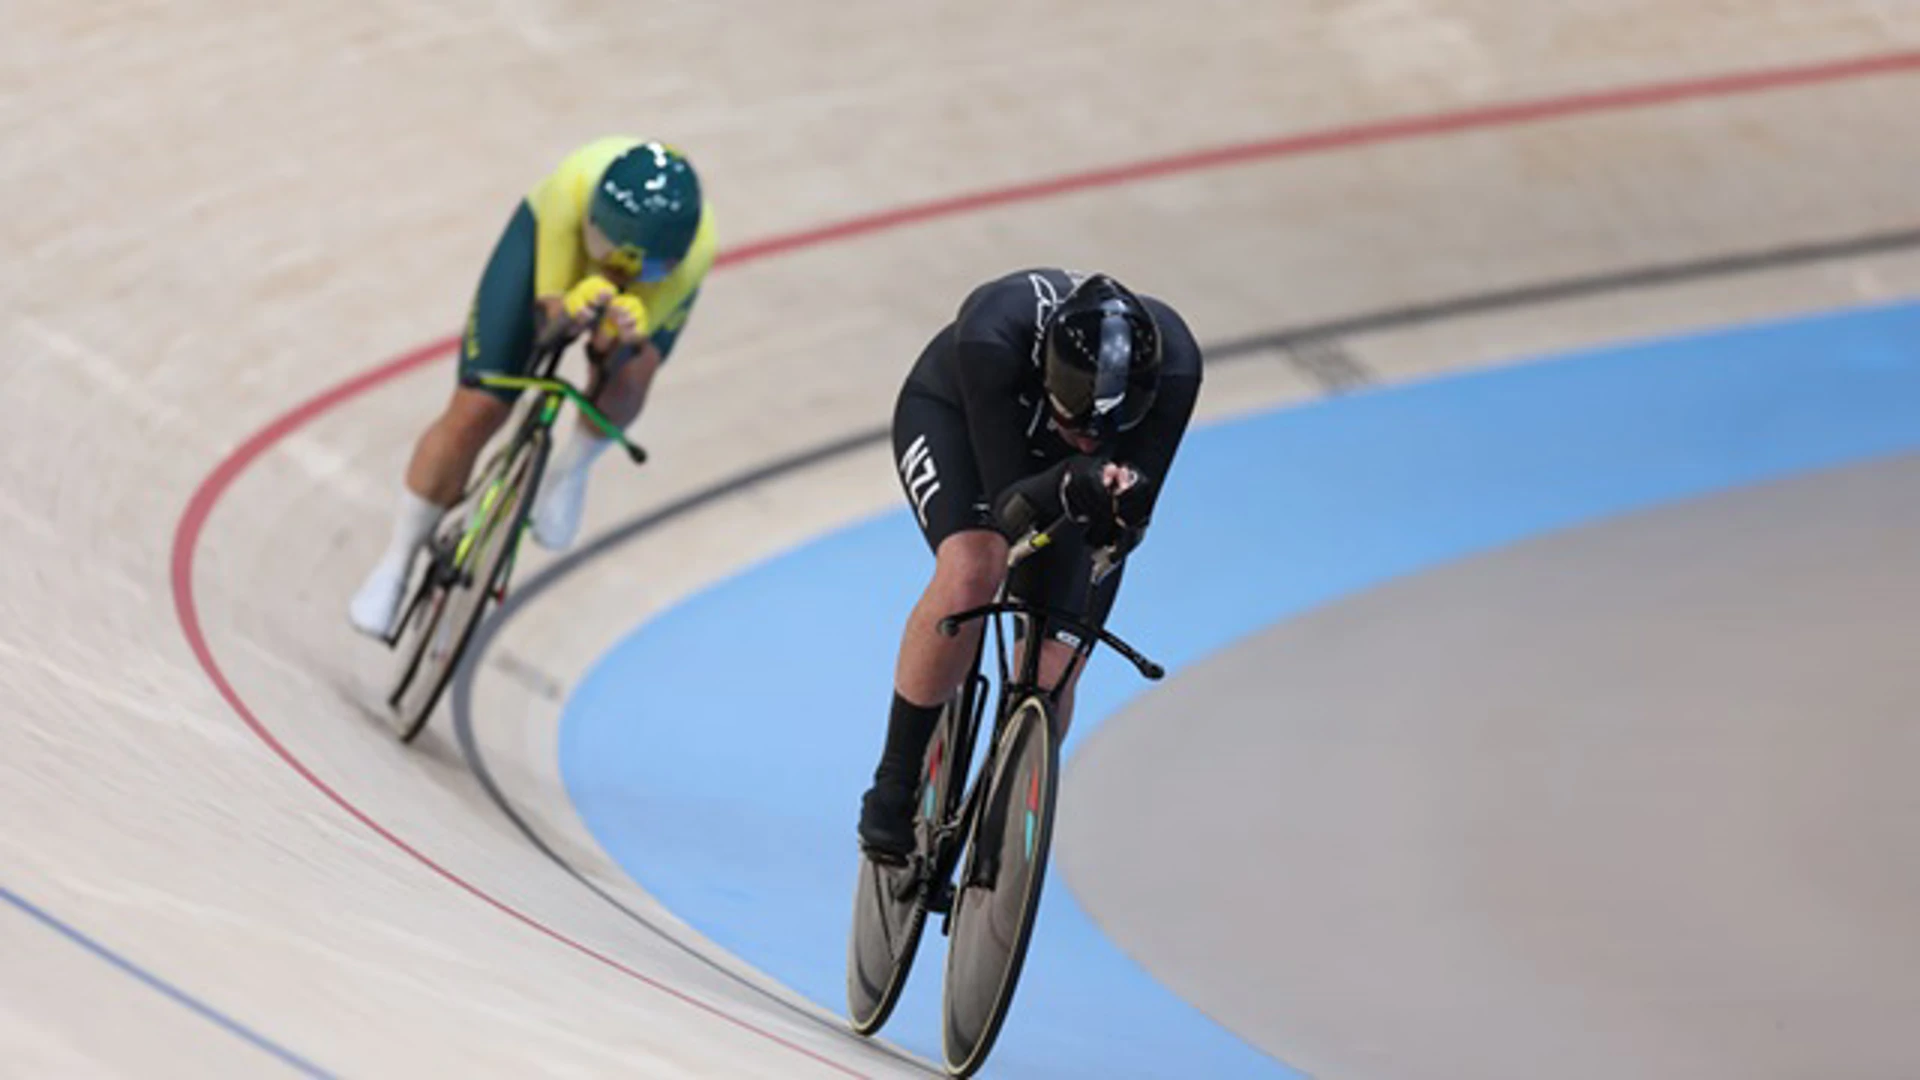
588,298
564,317
622,329
1133,500
1084,497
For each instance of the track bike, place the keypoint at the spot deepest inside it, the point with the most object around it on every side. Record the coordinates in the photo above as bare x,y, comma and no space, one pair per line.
468,560
995,830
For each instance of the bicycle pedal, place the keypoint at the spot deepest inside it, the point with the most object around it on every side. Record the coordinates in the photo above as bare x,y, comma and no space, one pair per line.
940,898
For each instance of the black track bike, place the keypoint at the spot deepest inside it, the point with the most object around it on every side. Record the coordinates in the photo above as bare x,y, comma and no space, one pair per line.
995,831
465,566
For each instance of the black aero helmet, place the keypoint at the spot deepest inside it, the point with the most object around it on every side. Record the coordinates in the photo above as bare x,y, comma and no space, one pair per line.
1101,358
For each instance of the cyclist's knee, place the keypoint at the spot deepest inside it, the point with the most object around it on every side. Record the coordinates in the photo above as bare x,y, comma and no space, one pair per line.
473,415
969,567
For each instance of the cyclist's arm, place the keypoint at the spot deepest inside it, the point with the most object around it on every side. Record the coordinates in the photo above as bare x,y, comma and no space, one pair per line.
560,256
1034,500
1031,503
669,303
1150,447
668,330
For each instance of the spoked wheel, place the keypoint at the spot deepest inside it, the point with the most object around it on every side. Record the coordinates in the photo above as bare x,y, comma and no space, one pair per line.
998,895
456,588
890,903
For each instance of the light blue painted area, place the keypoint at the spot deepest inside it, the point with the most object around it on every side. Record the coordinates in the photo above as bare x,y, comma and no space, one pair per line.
718,751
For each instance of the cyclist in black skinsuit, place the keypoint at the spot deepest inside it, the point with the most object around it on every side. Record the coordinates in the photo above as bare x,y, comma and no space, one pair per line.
1049,394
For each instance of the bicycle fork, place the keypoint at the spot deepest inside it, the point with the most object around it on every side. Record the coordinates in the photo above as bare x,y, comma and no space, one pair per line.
979,868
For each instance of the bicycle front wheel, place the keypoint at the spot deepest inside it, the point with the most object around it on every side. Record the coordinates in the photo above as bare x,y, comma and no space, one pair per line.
891,902
460,583
998,896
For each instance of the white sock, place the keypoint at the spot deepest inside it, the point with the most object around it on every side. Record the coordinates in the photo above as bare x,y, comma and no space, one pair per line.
413,520
579,453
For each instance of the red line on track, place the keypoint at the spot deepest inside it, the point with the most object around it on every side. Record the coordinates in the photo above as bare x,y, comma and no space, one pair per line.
207,495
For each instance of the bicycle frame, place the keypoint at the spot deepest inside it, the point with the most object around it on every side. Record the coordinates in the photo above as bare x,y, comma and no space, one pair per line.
550,393
1041,623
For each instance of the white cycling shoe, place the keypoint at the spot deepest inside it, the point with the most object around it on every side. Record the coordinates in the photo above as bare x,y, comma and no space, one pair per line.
557,509
373,607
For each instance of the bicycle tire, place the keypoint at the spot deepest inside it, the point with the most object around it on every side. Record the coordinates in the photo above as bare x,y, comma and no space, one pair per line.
881,949
995,905
452,611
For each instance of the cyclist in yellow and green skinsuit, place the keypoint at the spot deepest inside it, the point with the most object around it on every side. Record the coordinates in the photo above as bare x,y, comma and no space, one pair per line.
618,236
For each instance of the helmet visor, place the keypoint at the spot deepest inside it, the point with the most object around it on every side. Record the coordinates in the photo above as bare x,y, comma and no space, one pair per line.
1111,362
1112,397
1119,401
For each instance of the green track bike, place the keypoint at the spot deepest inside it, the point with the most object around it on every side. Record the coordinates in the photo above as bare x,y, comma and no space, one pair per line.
466,564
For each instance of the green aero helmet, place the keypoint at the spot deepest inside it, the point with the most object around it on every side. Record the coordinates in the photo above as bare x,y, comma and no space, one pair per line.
647,203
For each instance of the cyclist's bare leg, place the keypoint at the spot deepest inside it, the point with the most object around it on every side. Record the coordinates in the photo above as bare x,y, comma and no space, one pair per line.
442,459
968,569
1054,657
620,395
443,456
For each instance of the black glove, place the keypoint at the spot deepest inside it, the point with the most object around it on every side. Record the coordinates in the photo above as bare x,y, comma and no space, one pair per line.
1134,505
1073,488
1084,497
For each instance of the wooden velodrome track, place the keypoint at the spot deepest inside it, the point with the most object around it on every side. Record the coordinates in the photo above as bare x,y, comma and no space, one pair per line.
222,219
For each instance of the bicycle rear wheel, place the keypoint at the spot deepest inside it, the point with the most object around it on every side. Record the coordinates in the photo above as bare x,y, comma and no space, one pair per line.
998,896
457,586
